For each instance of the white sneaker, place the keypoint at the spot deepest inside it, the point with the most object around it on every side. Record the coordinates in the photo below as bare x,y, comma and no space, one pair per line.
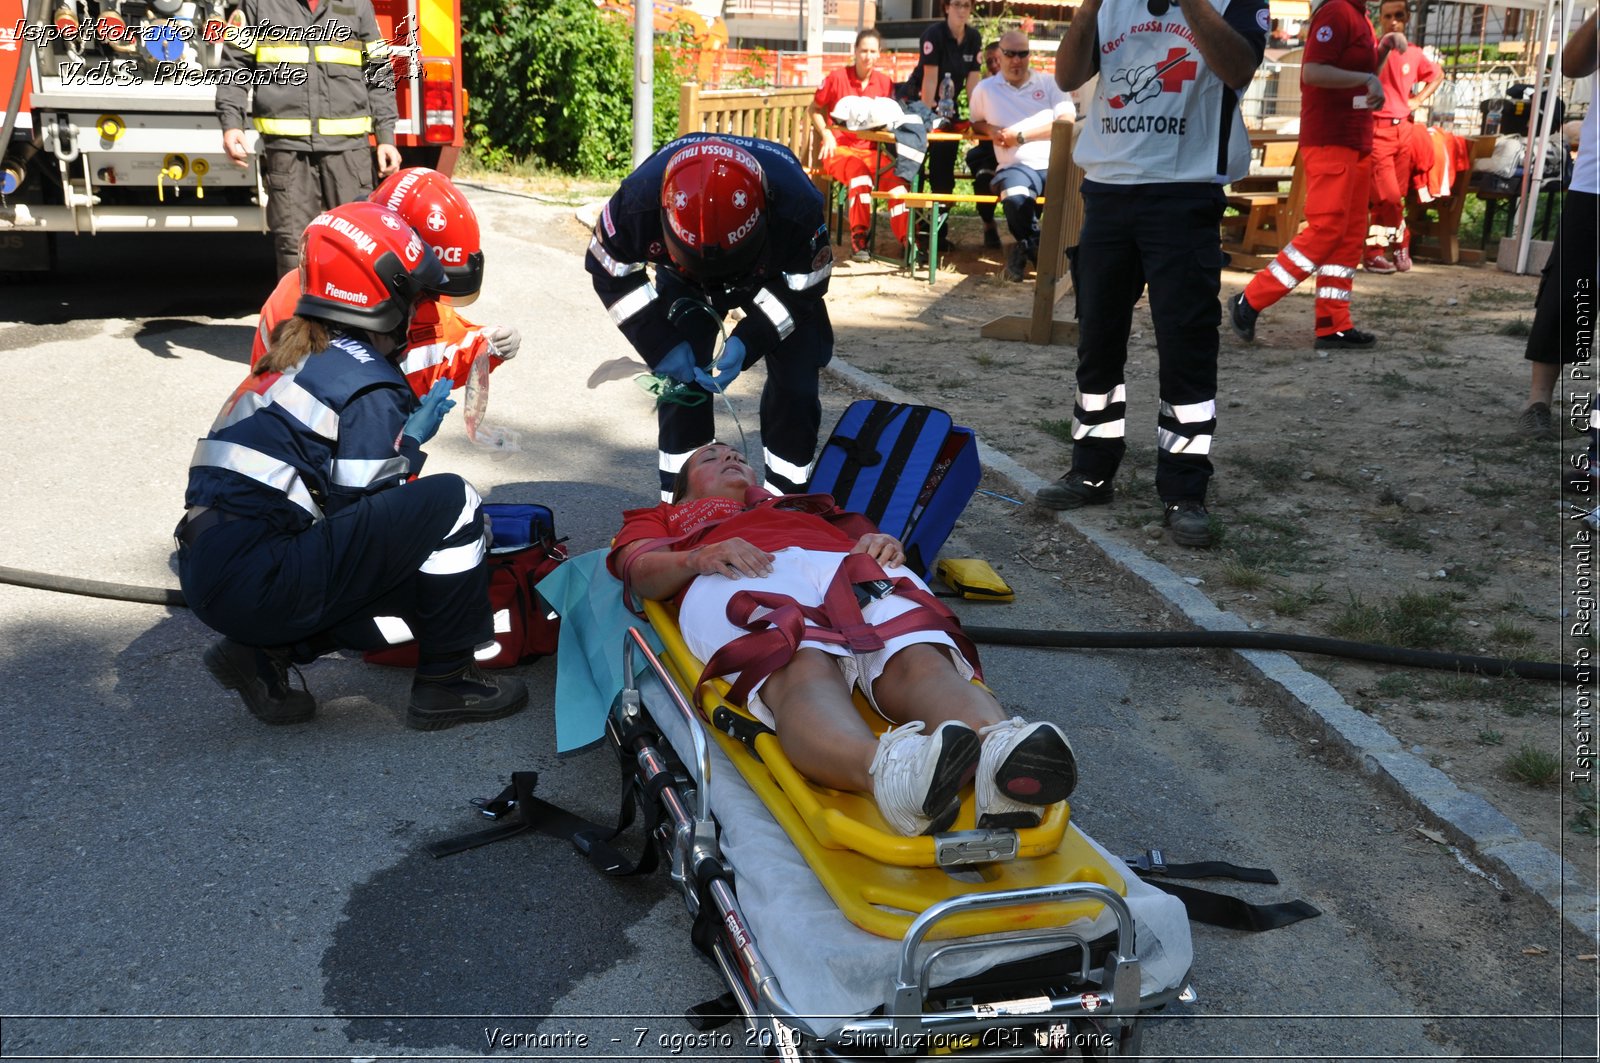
1024,767
917,778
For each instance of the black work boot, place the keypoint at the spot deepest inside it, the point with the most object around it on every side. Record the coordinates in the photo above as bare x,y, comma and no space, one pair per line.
465,694
261,676
1074,490
1189,521
1242,317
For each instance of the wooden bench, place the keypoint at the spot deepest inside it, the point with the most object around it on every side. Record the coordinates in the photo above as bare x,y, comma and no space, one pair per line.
931,205
1268,213
1434,225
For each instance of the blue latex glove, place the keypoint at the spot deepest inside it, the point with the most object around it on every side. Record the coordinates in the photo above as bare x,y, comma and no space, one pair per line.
678,364
726,368
426,418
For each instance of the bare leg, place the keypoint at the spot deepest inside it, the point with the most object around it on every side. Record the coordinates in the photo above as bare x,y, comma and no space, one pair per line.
1542,381
921,683
819,727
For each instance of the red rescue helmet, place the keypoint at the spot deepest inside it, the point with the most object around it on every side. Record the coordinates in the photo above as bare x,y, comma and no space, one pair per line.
714,210
436,208
361,265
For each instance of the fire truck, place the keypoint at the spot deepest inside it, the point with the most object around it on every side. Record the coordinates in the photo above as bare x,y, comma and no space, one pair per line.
107,119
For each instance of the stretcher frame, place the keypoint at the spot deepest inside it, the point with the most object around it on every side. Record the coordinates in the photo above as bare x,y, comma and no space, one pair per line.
1102,999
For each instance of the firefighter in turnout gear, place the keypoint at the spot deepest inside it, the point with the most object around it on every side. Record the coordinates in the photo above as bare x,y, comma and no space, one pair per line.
306,531
707,224
323,86
442,345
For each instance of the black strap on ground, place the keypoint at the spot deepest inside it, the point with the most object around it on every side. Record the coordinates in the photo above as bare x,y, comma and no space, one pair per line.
1231,913
516,810
1154,862
1270,640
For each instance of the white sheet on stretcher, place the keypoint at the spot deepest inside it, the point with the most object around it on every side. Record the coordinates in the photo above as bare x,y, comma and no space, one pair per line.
830,969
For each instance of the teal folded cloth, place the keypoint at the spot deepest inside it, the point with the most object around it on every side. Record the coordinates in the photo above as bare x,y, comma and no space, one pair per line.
589,653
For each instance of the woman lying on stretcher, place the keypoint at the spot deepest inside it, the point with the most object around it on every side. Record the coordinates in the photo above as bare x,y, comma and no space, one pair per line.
722,535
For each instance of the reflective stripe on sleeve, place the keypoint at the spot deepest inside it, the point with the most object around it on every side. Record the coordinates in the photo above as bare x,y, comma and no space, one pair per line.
776,312
262,468
632,303
609,264
283,53
799,282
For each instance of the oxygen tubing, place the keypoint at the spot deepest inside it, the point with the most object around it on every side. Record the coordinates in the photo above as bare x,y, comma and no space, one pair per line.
1002,636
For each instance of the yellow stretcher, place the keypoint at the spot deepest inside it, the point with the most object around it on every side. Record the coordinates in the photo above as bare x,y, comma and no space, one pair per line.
881,880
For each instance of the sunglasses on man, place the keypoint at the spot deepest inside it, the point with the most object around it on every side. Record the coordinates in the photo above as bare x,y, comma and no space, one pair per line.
1010,53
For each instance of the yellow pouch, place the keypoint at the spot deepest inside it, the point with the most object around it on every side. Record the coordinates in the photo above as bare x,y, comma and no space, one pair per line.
974,578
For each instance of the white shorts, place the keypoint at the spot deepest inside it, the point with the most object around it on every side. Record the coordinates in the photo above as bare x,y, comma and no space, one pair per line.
803,575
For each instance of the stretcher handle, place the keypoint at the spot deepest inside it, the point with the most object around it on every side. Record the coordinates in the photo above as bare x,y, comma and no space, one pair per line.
1062,891
634,639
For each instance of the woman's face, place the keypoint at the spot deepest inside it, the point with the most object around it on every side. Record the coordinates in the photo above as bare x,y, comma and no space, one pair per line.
957,12
719,470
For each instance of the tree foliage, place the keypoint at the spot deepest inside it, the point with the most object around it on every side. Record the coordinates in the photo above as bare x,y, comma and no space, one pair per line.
553,81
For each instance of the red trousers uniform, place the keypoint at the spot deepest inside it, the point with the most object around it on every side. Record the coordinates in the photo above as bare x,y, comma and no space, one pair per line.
1338,182
853,168
1397,153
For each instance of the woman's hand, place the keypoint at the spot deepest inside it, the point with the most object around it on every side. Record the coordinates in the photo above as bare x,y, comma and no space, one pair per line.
884,549
734,558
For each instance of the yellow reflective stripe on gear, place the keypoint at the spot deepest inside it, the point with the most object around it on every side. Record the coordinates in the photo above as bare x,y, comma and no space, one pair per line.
378,49
345,127
301,127
262,468
340,54
283,127
283,53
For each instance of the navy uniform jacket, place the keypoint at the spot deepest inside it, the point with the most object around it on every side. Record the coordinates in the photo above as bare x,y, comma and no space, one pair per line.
782,294
295,447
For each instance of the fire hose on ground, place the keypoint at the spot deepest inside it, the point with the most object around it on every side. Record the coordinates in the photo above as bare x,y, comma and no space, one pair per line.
1007,636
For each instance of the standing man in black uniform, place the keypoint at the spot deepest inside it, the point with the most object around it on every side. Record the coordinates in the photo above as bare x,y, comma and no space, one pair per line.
1161,136
949,49
722,222
324,84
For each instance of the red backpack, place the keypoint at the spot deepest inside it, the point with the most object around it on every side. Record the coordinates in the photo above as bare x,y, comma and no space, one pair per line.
525,550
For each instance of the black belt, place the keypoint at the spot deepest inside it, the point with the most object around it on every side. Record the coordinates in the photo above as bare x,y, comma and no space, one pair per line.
189,529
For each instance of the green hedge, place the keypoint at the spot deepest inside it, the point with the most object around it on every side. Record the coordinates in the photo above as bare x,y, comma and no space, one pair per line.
553,81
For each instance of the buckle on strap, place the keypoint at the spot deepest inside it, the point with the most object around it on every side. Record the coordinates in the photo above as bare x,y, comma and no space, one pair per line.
1152,861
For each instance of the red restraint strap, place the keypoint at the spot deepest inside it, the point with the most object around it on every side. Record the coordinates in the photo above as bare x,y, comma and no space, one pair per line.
776,635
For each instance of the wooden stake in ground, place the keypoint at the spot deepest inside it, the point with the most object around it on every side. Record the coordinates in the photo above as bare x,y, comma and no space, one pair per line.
1058,230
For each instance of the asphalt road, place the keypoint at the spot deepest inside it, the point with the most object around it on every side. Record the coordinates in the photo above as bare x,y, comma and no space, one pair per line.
180,881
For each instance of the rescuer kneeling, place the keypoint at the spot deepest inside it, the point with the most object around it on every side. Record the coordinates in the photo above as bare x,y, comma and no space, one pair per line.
307,530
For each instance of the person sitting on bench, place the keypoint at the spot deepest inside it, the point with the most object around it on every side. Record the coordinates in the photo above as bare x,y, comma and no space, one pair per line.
722,535
1015,109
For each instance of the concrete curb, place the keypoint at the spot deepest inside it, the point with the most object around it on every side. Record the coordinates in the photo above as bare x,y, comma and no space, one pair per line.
1429,791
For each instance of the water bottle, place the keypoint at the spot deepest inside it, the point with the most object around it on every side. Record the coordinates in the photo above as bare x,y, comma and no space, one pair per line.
947,97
